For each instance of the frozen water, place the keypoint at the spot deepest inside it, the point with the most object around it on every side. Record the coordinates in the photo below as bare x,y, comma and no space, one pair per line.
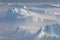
20,22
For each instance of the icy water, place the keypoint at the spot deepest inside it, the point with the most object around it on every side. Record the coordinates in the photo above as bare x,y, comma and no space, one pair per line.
19,21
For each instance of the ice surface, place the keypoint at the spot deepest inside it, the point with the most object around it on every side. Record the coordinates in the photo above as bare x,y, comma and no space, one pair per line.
20,22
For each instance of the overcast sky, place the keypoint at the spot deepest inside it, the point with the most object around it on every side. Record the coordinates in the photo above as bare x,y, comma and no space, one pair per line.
29,0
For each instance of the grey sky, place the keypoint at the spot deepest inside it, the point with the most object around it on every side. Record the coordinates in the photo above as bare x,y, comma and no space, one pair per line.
29,0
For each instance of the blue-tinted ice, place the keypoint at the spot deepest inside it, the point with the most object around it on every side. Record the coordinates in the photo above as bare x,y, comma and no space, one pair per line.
22,22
